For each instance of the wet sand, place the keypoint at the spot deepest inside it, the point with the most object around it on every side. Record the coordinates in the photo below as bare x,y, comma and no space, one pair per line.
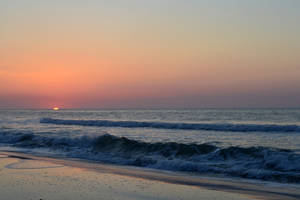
28,177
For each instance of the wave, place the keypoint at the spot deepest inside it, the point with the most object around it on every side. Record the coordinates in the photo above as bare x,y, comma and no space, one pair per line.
252,162
182,126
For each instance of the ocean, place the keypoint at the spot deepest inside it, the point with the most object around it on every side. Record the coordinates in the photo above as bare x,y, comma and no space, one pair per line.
261,144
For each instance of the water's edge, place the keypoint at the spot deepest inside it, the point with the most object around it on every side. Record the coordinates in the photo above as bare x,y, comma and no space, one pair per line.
263,163
253,189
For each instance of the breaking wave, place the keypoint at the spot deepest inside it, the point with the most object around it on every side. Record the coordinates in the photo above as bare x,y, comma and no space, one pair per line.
252,162
182,126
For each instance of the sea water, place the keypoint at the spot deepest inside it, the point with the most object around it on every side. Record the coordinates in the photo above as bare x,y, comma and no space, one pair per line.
247,143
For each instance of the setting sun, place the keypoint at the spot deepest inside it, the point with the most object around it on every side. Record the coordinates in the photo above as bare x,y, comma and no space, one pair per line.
203,95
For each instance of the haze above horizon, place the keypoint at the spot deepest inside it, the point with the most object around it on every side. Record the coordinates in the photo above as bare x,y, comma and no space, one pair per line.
149,54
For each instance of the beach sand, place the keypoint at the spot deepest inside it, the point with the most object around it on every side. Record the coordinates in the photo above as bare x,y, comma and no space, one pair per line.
28,177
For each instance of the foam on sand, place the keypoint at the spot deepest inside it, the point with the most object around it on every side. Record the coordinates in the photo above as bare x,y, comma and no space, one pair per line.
82,180
78,183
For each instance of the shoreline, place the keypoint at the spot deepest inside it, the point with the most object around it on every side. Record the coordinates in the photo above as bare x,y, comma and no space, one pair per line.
233,188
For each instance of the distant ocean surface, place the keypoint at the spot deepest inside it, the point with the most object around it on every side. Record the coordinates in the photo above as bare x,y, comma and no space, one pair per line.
259,144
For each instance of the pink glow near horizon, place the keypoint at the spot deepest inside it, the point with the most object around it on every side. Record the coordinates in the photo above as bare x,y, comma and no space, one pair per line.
105,55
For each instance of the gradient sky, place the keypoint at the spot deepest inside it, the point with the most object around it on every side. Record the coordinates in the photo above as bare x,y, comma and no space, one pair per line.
149,54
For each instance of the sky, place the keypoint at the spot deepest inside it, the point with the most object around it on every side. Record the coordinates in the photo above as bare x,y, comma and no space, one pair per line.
149,54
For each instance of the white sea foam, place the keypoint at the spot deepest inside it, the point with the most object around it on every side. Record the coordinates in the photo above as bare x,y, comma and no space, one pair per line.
182,126
251,162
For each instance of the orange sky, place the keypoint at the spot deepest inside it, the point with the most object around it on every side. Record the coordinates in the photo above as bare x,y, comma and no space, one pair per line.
138,54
